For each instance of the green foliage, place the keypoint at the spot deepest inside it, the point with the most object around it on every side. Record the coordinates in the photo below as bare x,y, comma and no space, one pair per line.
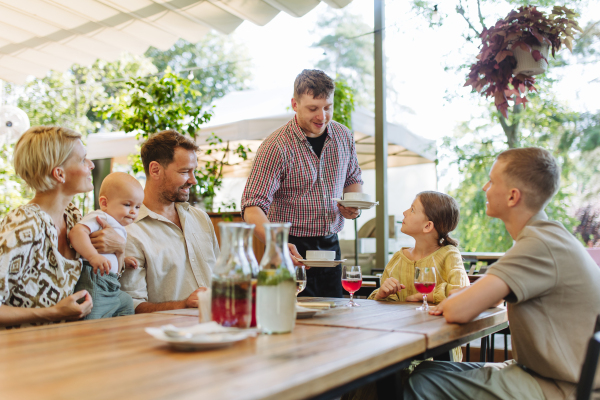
210,178
545,123
68,98
343,103
150,105
13,190
348,53
217,63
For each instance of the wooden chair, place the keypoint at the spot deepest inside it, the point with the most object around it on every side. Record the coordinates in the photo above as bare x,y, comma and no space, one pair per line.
366,291
588,370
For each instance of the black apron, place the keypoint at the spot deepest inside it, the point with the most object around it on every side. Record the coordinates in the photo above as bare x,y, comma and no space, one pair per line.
321,282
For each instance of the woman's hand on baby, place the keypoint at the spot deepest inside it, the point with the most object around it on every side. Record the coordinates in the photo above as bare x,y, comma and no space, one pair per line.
389,287
131,262
100,264
70,309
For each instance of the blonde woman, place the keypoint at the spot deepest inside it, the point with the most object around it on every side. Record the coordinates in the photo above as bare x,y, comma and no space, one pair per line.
38,266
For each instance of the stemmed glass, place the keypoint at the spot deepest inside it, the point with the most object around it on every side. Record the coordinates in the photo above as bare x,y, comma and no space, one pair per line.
300,279
351,282
424,283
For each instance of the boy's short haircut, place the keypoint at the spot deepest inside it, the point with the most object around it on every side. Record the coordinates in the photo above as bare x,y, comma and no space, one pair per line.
41,149
161,148
313,82
535,172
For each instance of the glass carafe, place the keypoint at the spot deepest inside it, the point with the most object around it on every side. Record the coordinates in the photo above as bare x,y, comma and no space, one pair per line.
249,251
276,286
232,279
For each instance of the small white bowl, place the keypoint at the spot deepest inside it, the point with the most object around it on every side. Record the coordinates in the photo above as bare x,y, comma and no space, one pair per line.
357,196
320,255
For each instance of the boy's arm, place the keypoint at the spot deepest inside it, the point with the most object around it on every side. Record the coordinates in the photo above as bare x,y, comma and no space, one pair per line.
467,304
80,240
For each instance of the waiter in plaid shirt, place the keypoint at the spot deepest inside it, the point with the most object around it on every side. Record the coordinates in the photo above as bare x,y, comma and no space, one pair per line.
297,172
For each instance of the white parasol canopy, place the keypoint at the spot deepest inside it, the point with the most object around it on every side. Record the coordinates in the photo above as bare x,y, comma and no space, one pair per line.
39,35
248,117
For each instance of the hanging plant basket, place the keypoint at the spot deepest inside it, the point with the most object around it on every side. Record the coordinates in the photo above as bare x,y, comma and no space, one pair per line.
531,61
516,49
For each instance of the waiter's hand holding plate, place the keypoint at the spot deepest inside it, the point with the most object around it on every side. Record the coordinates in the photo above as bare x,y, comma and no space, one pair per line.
353,212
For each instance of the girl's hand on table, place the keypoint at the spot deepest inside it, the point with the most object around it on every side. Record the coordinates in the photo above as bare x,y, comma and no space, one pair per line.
389,287
417,297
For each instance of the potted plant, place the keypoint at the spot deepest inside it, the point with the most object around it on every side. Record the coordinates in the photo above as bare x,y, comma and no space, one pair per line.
515,49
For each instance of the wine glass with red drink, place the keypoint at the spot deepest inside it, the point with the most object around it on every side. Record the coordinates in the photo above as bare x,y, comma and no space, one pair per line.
351,282
424,283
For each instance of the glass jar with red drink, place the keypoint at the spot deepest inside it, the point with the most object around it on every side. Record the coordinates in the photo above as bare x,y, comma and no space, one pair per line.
249,252
232,279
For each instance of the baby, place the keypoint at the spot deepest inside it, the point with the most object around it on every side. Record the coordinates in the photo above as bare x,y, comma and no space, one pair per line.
121,197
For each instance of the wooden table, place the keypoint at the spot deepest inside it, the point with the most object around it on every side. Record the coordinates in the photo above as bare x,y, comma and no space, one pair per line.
114,358
400,317
403,317
325,356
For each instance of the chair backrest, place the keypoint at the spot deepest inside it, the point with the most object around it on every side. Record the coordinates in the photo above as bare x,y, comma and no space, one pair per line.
588,370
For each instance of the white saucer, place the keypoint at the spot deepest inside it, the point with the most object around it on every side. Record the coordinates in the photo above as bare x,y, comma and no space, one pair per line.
361,205
321,263
203,337
302,313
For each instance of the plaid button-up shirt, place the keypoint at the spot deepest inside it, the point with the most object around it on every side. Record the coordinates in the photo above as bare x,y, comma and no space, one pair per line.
291,184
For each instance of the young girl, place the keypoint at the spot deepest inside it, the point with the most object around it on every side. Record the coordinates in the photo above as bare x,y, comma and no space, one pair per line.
431,217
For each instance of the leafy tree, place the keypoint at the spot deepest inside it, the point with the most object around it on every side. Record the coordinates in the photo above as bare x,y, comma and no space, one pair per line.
343,103
151,105
546,122
347,45
218,64
68,98
13,190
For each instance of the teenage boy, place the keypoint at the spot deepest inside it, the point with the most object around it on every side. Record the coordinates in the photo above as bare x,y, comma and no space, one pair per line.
549,282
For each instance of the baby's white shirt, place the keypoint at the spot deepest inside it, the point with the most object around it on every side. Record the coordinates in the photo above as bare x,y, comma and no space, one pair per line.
90,221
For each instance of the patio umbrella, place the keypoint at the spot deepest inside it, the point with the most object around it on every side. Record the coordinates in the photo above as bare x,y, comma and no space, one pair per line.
248,117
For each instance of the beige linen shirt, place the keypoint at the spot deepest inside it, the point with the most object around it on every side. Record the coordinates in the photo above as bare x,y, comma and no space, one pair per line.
553,304
172,263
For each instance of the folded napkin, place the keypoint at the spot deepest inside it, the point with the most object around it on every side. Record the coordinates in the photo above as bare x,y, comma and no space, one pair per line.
317,305
208,331
304,309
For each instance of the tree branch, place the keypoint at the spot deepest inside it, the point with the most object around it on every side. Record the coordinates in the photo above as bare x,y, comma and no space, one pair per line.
480,16
461,11
505,126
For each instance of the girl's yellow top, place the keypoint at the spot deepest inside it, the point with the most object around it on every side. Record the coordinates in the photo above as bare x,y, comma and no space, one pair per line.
450,273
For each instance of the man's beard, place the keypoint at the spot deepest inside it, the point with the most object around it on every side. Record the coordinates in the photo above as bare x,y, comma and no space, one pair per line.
176,196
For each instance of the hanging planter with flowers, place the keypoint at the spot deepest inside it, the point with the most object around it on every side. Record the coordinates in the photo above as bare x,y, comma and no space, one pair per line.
516,49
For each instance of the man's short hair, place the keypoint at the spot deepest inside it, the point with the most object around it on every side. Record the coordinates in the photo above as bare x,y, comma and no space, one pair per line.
161,148
41,149
313,82
535,172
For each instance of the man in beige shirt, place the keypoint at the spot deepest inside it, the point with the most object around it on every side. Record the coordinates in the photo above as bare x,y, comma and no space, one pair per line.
549,282
172,245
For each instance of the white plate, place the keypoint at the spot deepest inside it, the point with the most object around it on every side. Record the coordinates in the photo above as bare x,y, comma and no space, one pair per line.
202,339
361,205
302,313
321,263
